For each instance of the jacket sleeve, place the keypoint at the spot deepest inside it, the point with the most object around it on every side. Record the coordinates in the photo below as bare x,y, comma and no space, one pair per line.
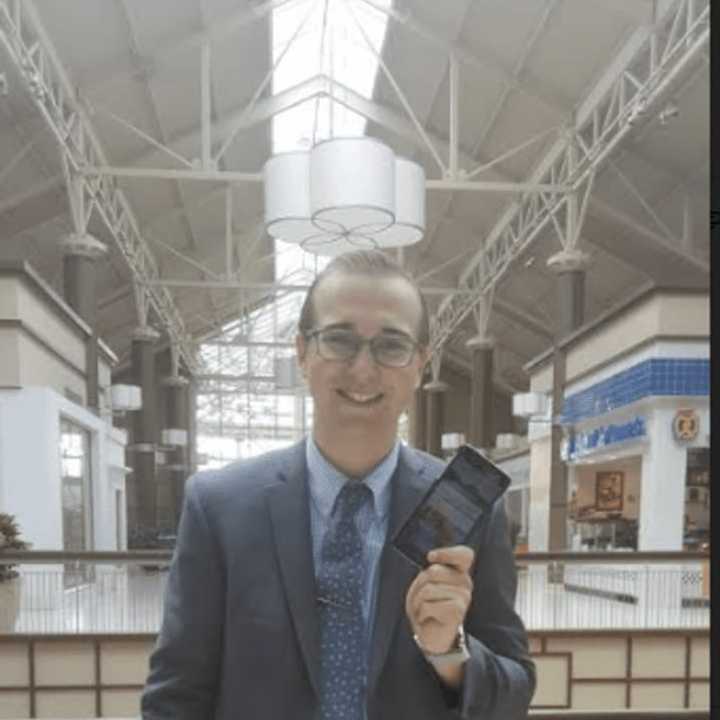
499,679
185,663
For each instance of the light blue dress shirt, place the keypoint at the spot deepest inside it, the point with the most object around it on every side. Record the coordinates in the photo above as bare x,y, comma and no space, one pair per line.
325,482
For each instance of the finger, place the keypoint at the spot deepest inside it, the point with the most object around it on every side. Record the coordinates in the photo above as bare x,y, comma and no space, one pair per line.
458,556
420,581
437,575
448,609
412,590
448,574
444,612
437,594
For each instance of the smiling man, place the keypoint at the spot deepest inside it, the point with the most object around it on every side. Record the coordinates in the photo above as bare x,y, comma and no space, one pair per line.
285,598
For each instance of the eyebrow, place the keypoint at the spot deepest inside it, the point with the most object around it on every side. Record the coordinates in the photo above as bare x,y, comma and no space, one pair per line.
350,326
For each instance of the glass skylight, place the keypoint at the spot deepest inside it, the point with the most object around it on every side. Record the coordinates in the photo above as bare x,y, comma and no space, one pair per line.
240,411
329,44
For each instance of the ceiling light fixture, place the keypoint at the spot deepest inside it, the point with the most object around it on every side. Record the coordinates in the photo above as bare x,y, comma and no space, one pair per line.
344,194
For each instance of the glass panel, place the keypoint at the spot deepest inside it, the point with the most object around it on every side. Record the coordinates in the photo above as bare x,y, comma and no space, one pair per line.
329,44
76,497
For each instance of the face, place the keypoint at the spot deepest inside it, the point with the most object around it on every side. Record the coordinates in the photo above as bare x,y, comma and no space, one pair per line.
360,394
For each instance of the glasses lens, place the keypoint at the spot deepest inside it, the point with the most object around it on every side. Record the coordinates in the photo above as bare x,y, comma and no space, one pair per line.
393,350
337,344
388,350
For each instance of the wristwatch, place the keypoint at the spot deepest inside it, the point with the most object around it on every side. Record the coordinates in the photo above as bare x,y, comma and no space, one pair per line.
457,653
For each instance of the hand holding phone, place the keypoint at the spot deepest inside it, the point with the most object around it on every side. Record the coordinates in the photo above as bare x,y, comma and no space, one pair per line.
452,507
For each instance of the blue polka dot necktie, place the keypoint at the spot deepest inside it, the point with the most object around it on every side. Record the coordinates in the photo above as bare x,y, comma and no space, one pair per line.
340,591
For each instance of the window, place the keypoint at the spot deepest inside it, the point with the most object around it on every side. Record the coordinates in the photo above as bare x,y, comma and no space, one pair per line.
76,494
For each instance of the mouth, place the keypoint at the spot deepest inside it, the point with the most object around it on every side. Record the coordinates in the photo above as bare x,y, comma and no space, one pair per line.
360,399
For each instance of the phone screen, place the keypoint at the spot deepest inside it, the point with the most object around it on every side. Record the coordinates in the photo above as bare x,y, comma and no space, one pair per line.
452,507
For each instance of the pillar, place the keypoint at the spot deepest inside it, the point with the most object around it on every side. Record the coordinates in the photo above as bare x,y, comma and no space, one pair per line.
80,255
192,426
177,418
144,427
502,413
434,408
417,420
569,268
482,426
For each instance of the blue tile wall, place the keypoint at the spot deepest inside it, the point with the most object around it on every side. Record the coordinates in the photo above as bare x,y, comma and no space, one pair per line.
656,376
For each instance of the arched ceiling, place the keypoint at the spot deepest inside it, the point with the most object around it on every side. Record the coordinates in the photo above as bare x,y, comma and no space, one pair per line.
525,70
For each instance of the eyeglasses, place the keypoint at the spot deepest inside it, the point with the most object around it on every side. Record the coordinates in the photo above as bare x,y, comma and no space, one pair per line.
388,349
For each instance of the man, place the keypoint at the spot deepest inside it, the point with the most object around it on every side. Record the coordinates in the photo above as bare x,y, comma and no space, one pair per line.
285,598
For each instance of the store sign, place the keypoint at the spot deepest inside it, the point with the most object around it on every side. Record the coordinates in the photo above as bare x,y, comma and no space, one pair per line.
584,443
686,425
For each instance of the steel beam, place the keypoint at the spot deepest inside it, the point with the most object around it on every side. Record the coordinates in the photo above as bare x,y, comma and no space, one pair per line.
222,284
45,78
316,87
218,32
231,176
613,107
482,62
517,71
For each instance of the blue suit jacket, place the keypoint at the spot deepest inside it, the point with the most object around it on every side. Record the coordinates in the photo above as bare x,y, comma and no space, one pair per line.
240,635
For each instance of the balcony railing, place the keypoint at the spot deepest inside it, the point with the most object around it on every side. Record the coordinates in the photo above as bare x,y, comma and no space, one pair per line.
122,592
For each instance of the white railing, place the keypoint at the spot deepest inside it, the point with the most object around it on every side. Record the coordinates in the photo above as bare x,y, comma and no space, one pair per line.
123,592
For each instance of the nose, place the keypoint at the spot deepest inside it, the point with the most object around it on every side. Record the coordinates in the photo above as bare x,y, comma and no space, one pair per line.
363,363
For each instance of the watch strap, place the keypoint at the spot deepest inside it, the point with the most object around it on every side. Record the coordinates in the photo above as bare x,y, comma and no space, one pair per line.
457,653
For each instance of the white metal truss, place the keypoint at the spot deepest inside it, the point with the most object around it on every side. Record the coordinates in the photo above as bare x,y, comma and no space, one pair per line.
641,75
481,313
30,49
232,176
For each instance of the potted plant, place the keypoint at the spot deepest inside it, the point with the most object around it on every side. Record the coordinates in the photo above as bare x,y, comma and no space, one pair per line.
9,577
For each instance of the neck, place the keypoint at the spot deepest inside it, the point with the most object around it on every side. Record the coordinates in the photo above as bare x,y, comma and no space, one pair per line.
354,455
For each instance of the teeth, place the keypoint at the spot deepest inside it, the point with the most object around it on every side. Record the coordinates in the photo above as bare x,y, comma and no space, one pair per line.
360,398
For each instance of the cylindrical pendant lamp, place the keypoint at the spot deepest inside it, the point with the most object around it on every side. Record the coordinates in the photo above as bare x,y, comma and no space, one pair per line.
352,185
287,196
409,225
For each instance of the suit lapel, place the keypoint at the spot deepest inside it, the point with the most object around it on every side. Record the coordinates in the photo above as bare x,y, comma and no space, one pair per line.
396,573
290,513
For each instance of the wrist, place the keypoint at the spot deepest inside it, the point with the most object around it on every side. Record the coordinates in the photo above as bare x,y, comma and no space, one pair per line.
455,656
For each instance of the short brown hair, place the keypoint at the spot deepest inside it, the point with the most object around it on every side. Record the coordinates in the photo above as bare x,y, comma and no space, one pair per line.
370,263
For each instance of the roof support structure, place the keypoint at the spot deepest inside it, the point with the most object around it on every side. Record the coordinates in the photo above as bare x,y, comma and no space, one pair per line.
260,110
398,91
29,48
231,176
231,284
655,57
466,57
219,31
514,81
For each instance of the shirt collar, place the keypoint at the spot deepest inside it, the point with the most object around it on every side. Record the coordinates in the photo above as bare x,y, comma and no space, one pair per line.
326,481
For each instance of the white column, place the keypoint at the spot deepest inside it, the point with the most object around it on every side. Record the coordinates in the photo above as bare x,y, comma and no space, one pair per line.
660,523
662,494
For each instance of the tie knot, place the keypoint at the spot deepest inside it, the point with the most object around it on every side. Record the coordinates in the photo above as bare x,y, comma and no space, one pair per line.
352,498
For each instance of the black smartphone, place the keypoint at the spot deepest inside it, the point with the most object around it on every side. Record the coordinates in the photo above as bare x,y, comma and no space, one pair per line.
452,507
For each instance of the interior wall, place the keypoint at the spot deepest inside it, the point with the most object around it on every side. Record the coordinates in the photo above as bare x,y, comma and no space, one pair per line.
586,478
